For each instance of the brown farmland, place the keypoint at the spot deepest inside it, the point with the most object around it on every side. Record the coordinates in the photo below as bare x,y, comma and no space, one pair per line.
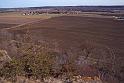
16,20
78,29
72,31
78,32
4,25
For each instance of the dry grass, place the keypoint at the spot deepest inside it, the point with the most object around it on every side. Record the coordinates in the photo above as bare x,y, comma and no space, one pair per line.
71,33
18,18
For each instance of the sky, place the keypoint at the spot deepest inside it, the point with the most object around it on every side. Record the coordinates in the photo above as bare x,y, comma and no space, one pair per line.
37,3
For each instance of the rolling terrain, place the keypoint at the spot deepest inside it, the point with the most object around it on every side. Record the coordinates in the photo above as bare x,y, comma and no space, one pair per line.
95,41
73,31
76,29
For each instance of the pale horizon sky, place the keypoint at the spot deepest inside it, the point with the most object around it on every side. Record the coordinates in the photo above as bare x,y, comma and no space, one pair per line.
39,3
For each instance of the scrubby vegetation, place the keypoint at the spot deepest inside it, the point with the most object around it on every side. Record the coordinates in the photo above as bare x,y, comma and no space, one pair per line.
36,62
36,66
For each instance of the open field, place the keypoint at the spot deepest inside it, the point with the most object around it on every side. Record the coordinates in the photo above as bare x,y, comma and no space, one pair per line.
98,38
98,28
72,31
18,18
11,19
3,25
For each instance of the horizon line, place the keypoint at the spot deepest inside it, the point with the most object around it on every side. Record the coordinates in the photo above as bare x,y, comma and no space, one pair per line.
61,6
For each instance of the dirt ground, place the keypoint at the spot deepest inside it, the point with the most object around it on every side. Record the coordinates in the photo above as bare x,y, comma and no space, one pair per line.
4,25
71,31
18,18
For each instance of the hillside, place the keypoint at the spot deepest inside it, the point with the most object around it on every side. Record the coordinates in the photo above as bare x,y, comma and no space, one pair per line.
76,40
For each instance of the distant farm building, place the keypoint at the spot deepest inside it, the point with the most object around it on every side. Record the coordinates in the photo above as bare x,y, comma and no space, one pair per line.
118,18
